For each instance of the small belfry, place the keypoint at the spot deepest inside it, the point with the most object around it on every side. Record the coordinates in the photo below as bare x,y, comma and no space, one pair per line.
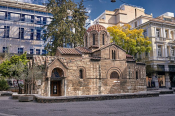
96,36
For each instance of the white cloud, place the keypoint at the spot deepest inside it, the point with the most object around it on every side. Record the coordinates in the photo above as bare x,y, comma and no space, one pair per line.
102,1
88,9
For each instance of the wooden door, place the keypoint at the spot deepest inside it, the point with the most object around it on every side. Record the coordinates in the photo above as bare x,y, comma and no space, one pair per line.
55,88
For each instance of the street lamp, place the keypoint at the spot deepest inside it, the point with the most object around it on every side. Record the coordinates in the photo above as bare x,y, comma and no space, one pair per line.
113,0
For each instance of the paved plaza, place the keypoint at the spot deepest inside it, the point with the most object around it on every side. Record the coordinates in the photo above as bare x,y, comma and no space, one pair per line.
153,106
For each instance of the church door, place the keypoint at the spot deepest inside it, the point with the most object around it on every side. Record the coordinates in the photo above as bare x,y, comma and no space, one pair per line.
55,88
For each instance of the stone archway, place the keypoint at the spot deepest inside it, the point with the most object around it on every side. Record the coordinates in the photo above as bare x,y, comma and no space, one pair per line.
56,82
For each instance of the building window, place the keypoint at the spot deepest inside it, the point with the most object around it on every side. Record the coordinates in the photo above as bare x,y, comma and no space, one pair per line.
44,32
5,49
20,50
93,39
31,51
81,73
31,34
172,51
166,33
113,54
37,51
157,32
167,19
7,15
21,33
43,52
129,73
114,75
32,18
6,31
135,24
103,39
137,75
146,53
38,35
159,51
22,17
86,41
145,33
38,19
44,20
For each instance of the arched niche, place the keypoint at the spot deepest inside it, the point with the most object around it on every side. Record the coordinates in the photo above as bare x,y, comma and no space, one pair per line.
57,72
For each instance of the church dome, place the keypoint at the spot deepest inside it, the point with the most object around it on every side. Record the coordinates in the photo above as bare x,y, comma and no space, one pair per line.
96,27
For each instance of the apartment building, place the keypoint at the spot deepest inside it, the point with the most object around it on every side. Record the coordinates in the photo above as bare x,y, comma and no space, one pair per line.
122,15
161,60
21,27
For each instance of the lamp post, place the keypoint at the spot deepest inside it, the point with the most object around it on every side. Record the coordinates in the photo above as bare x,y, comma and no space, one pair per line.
113,0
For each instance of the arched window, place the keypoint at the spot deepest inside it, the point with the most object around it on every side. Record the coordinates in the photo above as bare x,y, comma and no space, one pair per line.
86,41
113,54
103,39
81,73
93,39
137,75
114,75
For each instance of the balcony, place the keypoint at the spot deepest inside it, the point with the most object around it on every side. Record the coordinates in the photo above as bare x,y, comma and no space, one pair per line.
160,39
172,58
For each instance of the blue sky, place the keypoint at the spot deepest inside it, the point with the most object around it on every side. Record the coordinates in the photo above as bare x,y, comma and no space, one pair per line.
96,7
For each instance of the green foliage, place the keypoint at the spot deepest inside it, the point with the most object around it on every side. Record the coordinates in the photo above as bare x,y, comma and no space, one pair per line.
3,84
13,66
67,16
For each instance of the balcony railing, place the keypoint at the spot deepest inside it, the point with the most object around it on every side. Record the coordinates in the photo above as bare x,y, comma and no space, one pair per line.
172,58
160,39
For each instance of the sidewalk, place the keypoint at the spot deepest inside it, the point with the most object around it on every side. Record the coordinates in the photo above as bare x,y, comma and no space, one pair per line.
162,90
61,99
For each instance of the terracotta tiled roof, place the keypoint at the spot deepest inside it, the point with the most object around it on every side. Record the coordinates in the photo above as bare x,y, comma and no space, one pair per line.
69,51
129,56
83,49
41,60
96,27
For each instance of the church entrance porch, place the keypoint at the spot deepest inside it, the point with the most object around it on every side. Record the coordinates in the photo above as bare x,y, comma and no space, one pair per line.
56,82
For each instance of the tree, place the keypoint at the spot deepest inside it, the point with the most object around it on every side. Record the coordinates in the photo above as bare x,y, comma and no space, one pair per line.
13,66
132,40
67,25
33,73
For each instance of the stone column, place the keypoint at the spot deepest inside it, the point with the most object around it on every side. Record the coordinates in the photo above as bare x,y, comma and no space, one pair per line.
156,55
48,84
164,34
64,87
154,77
154,31
169,33
167,80
161,31
165,50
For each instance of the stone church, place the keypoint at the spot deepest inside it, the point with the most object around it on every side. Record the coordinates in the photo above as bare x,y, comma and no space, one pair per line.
100,67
